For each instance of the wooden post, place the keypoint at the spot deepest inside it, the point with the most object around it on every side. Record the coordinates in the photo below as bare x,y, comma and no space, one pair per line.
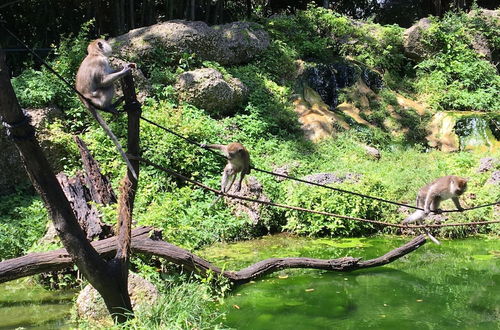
128,189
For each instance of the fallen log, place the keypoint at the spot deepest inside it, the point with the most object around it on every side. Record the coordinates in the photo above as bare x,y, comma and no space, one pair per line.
143,241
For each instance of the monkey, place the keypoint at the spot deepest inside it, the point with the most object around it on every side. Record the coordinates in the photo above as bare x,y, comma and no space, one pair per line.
95,81
430,196
238,161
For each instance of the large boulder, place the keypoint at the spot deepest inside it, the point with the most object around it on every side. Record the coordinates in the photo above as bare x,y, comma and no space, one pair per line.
412,40
208,89
228,44
90,305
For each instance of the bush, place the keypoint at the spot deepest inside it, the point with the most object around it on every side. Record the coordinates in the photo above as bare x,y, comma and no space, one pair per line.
22,222
455,76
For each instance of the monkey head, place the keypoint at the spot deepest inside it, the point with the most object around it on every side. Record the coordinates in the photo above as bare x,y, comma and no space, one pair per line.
98,47
458,185
235,150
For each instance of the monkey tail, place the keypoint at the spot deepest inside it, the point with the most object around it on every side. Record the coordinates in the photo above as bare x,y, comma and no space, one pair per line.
113,138
432,238
415,216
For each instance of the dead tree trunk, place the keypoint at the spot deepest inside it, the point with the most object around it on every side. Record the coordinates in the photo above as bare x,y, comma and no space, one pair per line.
92,266
120,264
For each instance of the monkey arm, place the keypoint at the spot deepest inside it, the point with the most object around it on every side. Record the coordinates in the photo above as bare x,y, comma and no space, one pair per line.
456,201
216,146
242,175
109,79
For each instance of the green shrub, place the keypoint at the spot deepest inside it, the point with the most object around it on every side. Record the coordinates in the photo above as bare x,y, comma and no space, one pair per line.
22,222
455,76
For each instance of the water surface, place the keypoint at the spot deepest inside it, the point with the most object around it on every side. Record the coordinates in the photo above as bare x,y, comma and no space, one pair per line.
452,286
28,305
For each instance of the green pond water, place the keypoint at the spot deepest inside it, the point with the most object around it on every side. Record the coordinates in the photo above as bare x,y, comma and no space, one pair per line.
24,304
452,286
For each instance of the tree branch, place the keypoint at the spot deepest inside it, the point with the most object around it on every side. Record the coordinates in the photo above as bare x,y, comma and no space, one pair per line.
35,263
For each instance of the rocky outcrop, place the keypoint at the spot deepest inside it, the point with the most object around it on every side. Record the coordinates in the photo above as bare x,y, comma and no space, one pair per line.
412,40
487,164
90,305
228,44
328,178
208,89
253,189
12,173
462,130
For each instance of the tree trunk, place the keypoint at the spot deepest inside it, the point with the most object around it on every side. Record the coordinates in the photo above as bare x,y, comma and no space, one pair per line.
131,14
249,8
92,266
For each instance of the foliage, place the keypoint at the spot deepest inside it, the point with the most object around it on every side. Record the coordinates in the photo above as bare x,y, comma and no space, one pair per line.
187,305
456,76
22,222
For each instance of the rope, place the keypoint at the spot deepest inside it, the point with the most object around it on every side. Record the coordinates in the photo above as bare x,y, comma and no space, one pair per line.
306,181
296,208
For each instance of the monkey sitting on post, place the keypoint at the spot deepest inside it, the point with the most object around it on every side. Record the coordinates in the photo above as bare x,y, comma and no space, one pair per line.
95,81
430,196
238,161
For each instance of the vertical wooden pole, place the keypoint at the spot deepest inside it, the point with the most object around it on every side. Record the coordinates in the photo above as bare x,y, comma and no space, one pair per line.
128,188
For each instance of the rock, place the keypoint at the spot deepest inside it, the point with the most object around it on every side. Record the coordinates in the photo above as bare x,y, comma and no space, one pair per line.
315,117
12,172
328,178
442,134
228,44
90,305
284,170
495,178
253,189
207,89
412,40
372,152
142,85
481,46
241,42
487,164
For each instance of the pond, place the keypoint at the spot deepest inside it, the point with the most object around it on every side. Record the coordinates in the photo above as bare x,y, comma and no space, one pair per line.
28,305
454,285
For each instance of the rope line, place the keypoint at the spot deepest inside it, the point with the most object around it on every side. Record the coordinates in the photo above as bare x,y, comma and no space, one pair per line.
306,181
296,208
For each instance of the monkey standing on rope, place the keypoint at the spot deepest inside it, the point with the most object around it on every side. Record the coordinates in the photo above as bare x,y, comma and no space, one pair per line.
430,196
95,81
238,161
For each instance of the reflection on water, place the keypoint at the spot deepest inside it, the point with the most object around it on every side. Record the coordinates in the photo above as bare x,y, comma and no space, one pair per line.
455,285
27,305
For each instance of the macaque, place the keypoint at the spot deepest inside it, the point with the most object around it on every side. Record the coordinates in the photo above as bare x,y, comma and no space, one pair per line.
238,161
95,78
95,81
431,195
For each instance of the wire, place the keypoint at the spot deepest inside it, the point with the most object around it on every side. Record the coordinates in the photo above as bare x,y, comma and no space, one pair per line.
306,181
296,208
